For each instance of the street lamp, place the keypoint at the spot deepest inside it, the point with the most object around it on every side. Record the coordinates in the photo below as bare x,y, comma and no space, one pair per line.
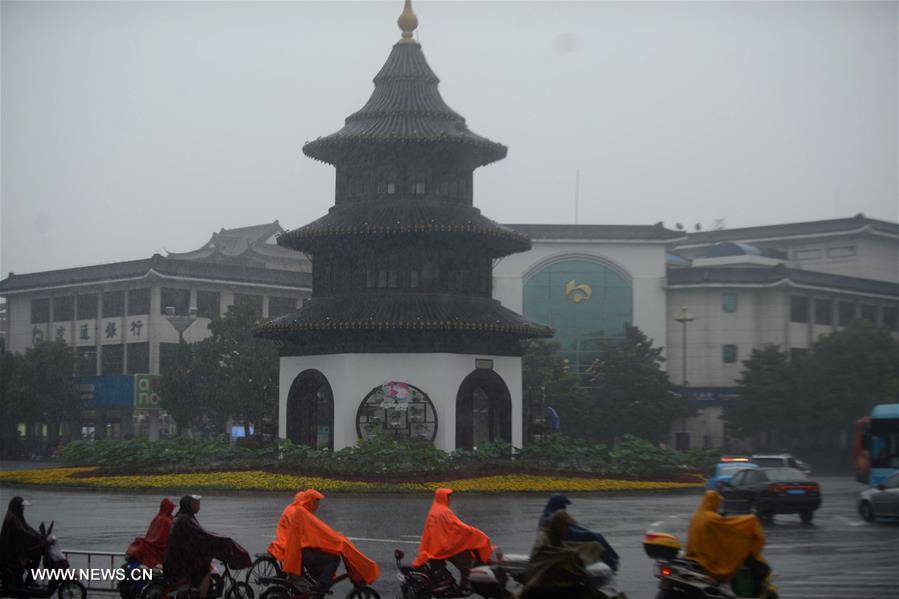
181,323
684,317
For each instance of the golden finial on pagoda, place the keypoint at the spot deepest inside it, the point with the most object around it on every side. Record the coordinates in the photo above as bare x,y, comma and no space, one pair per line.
407,22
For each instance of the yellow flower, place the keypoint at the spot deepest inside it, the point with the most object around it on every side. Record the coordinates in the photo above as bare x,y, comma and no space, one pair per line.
259,480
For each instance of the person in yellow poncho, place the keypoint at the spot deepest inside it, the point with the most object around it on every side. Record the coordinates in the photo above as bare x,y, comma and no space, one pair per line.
722,544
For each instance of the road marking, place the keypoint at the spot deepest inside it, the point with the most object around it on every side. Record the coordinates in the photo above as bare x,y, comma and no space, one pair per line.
383,540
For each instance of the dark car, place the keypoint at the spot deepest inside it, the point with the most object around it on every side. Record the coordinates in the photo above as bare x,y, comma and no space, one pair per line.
723,472
881,501
769,491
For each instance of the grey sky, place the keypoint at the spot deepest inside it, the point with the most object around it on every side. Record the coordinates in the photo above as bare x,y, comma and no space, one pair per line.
131,128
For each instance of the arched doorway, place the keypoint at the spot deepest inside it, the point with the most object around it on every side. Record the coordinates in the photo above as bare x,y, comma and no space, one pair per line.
483,410
310,411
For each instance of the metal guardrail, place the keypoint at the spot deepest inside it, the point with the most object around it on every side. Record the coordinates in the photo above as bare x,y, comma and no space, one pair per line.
96,559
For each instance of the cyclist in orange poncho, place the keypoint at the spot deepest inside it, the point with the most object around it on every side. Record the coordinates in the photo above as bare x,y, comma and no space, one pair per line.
721,544
446,537
149,549
301,536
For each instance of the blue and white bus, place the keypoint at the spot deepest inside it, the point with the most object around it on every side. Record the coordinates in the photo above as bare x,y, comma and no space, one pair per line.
877,448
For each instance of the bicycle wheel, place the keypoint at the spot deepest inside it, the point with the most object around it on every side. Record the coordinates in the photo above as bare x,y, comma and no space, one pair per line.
362,593
264,567
71,589
153,590
276,592
240,590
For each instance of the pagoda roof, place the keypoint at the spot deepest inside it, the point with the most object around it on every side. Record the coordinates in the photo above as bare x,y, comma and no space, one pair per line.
405,107
402,216
402,311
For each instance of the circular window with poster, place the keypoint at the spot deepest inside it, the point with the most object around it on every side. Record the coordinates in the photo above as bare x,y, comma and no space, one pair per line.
397,408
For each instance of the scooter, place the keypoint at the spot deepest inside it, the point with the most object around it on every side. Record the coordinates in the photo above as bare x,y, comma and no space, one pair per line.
431,580
53,560
501,578
504,578
222,584
681,578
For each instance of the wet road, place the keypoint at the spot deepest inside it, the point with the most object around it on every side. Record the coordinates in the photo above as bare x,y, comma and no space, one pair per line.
839,556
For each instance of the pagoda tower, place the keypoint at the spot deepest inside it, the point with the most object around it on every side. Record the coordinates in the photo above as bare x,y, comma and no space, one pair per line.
402,334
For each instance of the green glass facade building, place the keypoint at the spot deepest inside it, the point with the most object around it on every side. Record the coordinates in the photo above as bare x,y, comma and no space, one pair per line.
586,301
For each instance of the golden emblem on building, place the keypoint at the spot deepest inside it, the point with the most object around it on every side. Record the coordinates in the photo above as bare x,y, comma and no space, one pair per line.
575,293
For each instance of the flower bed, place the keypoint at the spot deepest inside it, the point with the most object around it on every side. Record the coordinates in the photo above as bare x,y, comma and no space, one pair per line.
260,480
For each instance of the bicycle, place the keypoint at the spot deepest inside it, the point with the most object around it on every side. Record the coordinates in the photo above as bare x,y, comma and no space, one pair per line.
235,589
304,587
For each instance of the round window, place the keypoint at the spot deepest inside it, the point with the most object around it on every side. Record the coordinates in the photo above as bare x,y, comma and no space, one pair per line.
398,408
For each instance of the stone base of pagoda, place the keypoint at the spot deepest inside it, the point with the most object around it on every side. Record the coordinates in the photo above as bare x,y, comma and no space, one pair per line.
428,393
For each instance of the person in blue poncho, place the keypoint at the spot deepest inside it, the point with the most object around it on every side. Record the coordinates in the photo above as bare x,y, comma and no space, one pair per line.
579,534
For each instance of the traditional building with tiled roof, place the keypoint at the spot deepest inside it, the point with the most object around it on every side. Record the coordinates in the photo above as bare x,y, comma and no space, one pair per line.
119,316
403,288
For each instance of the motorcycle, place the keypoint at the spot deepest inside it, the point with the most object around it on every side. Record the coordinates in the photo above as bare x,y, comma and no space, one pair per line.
431,580
680,578
504,578
501,578
54,560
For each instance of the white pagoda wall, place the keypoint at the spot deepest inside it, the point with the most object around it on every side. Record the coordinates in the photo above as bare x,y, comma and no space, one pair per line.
353,376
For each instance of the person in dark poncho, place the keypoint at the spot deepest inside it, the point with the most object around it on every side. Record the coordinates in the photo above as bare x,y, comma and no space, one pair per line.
557,568
20,545
150,548
190,550
579,534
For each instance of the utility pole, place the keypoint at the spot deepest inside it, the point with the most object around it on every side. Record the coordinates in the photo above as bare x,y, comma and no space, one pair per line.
577,193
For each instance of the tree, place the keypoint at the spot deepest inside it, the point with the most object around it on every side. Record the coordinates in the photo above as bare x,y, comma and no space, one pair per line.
180,388
810,402
10,408
547,383
847,373
37,388
228,375
766,390
629,393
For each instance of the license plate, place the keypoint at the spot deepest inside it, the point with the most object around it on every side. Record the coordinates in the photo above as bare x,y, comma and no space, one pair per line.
795,492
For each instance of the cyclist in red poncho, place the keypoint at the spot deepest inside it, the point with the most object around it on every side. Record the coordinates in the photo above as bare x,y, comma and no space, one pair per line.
446,537
301,537
150,548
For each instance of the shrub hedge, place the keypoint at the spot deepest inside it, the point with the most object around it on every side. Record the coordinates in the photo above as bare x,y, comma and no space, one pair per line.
388,456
